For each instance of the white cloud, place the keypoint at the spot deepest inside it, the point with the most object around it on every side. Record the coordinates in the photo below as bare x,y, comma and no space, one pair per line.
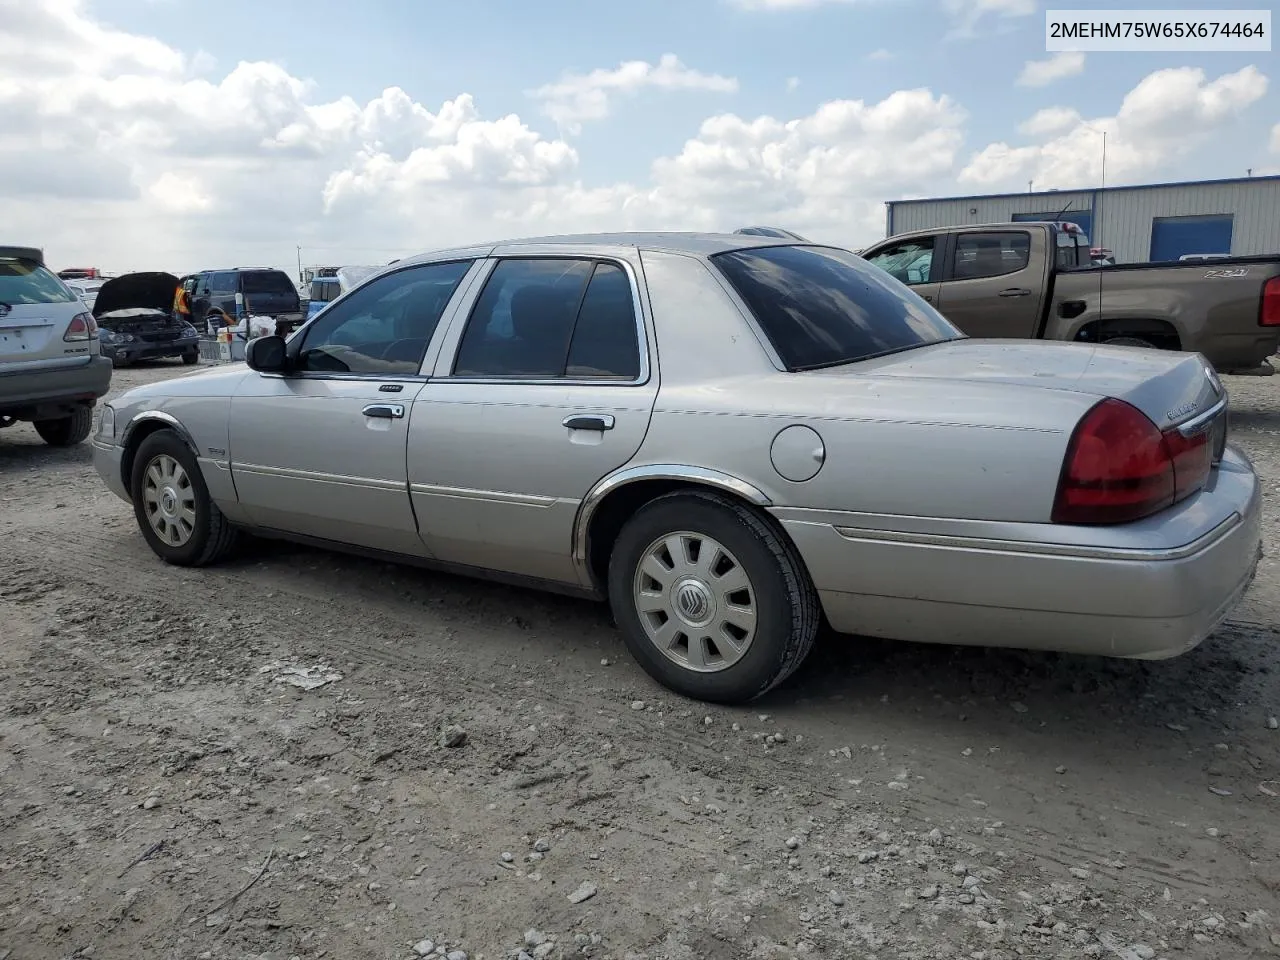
793,84
1050,122
1169,113
121,151
880,55
830,170
784,4
967,14
575,98
1275,138
176,193
1041,73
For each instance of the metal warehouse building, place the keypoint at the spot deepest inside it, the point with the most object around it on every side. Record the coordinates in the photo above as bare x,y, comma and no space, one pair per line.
1160,221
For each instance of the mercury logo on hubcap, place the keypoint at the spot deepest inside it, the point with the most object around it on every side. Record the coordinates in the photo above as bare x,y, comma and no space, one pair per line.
693,600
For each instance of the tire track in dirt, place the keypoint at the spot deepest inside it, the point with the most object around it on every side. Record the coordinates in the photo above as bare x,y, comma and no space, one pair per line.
401,635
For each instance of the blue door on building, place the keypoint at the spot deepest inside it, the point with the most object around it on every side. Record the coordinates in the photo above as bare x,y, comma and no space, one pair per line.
1082,218
1173,237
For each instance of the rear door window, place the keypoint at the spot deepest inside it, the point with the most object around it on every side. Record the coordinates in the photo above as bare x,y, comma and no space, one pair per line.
982,255
823,306
26,281
523,319
553,318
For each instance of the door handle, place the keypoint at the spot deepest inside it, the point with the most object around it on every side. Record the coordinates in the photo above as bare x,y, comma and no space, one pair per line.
928,297
384,411
589,421
1015,292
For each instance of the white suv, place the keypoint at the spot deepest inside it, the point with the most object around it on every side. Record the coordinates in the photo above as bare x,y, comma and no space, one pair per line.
52,371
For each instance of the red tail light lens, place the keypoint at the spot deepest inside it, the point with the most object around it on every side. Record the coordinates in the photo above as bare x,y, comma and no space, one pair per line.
82,327
1270,314
1119,467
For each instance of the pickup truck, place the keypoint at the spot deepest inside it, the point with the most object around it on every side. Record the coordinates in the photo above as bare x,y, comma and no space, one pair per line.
1036,280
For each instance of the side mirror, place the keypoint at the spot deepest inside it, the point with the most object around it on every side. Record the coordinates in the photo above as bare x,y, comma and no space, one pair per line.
266,354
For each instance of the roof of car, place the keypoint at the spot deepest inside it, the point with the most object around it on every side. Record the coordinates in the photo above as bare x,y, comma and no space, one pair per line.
699,244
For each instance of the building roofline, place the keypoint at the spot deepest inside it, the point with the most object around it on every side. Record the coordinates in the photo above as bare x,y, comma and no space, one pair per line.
1269,178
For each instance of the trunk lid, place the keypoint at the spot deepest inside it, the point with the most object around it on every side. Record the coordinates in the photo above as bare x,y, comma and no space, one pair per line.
152,292
1172,389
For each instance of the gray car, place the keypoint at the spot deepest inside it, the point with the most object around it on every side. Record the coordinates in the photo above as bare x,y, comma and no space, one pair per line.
52,371
732,438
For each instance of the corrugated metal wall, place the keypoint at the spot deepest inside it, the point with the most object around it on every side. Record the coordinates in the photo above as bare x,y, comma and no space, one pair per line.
1122,218
923,214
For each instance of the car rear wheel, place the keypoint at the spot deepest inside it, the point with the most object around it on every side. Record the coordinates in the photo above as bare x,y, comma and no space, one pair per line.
712,600
178,519
191,358
66,431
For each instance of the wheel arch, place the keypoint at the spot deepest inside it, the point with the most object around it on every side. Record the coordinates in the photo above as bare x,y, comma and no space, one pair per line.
141,426
1163,333
617,496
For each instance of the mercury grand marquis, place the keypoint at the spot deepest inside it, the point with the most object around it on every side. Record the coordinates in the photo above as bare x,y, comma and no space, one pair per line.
732,439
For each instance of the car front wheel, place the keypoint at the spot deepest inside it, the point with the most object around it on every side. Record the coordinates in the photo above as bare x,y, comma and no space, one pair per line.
66,431
712,600
179,520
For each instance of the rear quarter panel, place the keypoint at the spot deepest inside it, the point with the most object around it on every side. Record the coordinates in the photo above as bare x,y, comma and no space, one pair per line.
1212,306
940,448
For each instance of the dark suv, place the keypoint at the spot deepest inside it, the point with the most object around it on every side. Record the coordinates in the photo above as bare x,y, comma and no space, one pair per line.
221,297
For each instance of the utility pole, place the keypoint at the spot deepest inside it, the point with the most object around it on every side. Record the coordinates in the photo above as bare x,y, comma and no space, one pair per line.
299,248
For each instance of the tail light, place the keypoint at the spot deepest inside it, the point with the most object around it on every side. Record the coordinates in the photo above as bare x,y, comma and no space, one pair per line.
1119,467
82,327
1269,316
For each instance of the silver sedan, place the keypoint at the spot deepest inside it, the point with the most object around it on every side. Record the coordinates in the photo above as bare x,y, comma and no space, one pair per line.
731,438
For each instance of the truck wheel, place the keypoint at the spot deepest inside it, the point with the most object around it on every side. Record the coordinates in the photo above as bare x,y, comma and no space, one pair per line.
66,431
1130,342
178,518
712,601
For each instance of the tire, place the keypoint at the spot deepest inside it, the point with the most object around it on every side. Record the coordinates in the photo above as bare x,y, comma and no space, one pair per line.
778,589
191,359
66,431
1130,342
121,362
199,536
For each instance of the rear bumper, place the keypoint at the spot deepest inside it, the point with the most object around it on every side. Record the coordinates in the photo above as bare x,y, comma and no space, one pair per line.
35,394
1242,351
1148,603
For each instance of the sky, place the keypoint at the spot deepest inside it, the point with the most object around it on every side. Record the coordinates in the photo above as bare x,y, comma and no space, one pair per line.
180,135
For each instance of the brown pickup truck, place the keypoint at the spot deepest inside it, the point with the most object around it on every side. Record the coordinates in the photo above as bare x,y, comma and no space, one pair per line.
1037,281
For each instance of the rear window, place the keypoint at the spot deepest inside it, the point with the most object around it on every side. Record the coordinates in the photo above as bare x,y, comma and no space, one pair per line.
25,281
822,306
266,281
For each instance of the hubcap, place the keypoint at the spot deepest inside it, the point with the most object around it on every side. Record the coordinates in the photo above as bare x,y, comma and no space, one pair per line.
169,500
695,601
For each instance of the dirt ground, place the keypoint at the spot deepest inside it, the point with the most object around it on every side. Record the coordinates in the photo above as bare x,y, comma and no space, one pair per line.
164,793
